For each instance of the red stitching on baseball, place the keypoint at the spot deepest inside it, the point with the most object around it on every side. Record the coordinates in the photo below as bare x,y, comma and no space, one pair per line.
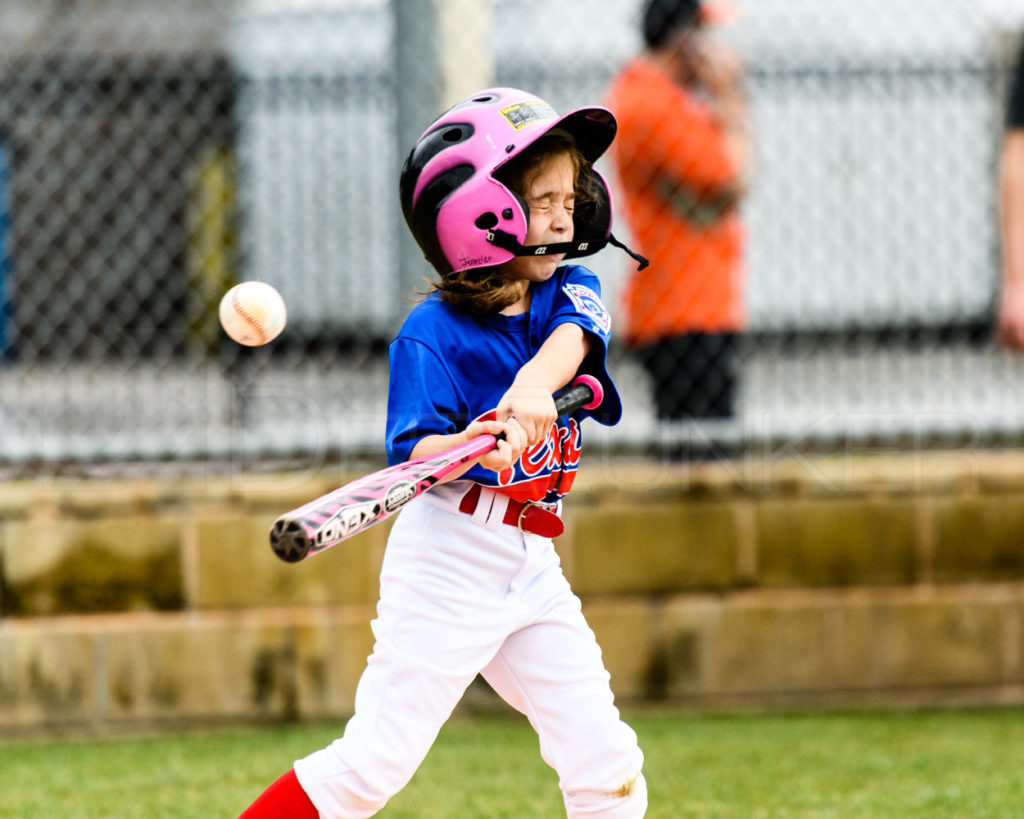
245,314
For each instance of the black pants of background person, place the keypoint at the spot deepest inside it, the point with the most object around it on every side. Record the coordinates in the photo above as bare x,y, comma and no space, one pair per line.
693,377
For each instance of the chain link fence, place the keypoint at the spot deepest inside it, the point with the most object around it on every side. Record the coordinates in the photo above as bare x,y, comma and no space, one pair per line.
152,154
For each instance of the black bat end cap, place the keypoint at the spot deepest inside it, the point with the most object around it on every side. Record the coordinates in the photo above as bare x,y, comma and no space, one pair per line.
289,541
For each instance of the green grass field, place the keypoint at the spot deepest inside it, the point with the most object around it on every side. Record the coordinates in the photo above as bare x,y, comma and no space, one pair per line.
935,764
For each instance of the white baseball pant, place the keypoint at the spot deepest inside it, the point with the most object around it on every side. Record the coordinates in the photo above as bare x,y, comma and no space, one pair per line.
464,595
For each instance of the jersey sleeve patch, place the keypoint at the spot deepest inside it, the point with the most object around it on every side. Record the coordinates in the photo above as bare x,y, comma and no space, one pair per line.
590,305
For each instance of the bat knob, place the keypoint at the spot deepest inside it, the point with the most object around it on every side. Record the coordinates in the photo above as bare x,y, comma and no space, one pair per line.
289,541
595,387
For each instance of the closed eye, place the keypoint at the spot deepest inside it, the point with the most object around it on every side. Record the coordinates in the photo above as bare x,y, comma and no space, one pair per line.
542,204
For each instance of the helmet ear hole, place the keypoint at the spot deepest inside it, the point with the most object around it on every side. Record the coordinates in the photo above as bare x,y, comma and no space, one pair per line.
485,221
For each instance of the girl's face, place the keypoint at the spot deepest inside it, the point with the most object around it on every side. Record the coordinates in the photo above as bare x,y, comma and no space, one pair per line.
550,193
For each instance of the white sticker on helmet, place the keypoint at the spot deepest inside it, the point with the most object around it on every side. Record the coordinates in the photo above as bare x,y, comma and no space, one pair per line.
523,113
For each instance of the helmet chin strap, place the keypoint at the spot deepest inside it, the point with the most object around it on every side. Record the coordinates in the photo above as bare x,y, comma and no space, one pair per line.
584,247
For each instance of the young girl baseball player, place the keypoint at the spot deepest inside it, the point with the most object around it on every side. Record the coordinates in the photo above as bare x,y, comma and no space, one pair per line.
498,192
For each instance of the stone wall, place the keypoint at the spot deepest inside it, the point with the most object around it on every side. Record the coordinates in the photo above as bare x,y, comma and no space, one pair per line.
785,582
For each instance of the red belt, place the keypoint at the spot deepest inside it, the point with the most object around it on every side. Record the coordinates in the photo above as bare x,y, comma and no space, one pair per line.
528,516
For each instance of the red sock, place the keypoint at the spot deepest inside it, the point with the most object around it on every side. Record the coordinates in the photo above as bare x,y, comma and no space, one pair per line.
284,799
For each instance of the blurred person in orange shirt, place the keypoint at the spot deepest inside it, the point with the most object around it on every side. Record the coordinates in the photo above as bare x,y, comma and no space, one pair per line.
683,157
1010,314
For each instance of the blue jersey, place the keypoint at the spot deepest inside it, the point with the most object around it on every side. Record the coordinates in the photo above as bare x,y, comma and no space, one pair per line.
449,369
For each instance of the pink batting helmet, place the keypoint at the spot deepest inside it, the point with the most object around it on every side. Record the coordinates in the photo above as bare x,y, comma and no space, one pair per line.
464,218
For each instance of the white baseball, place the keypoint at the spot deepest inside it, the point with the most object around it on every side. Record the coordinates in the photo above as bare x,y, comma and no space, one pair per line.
252,313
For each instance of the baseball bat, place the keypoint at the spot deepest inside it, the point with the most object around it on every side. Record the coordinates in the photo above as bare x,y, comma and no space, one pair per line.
356,506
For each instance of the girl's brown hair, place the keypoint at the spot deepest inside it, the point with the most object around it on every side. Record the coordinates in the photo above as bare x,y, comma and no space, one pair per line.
484,290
